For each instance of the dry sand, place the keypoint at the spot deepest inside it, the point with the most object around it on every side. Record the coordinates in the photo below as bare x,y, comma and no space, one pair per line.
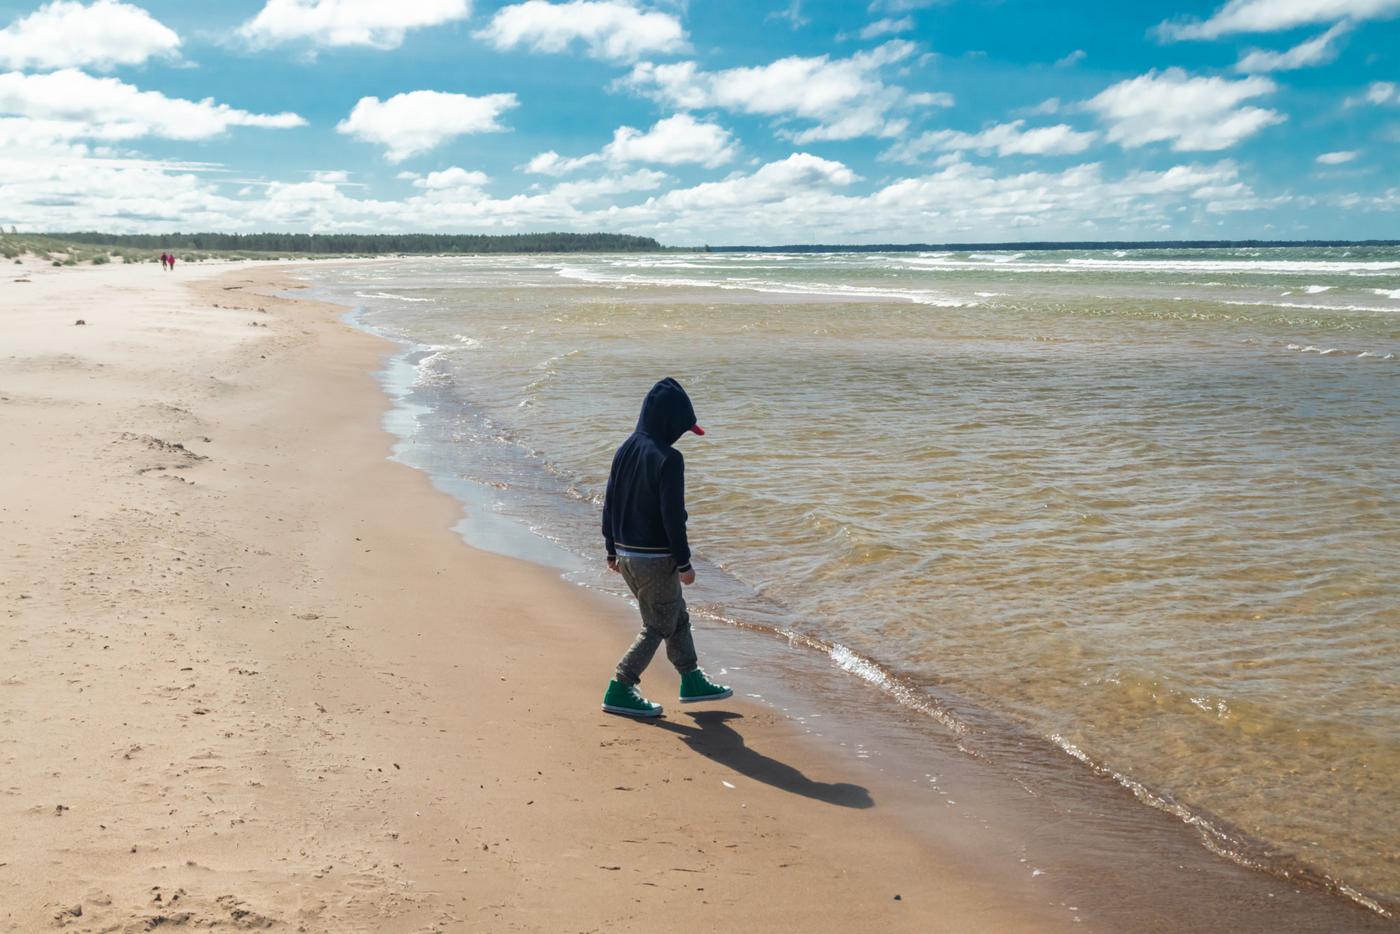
251,678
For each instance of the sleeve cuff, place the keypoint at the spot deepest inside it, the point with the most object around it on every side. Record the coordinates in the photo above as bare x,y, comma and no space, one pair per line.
682,568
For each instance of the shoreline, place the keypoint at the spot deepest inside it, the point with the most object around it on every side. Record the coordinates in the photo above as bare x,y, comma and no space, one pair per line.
260,681
259,678
992,738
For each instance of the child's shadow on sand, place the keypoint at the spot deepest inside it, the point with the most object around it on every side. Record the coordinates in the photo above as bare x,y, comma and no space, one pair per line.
715,739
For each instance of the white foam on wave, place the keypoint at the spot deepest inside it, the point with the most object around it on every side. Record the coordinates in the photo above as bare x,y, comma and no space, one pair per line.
1241,266
1307,306
1388,293
761,285
392,297
1317,289
1017,263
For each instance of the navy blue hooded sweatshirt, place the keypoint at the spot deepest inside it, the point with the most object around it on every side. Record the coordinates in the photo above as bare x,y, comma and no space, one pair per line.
644,508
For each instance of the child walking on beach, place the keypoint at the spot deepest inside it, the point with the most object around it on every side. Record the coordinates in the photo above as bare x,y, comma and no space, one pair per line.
644,528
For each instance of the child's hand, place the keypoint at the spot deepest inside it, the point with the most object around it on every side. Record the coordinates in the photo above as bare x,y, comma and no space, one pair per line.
688,577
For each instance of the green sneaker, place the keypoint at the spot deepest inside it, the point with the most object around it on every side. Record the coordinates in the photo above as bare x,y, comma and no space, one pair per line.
624,699
696,687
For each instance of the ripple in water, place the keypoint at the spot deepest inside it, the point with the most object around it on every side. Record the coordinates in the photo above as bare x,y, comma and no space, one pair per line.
1089,492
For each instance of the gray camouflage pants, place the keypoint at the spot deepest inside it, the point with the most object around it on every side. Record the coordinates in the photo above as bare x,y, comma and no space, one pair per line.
657,587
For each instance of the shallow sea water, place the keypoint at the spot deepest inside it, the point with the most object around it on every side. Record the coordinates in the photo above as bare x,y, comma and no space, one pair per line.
1143,504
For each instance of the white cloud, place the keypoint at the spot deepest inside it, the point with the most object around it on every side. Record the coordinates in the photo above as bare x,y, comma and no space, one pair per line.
1195,114
1078,55
71,105
608,185
1316,51
889,26
415,122
1006,139
673,141
609,29
1277,15
781,202
1337,158
773,182
900,6
551,163
962,192
103,36
793,15
331,176
845,97
1378,93
377,23
455,178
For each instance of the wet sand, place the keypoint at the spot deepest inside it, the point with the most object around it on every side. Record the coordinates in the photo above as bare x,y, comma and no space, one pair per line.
252,679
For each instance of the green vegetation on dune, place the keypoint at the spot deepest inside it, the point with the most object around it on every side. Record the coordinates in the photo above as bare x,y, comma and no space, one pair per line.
70,249
368,244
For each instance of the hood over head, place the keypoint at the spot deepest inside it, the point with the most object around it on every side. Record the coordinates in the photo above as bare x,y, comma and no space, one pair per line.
667,413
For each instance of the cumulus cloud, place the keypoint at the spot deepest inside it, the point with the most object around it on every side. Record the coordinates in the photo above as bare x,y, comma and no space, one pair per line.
1239,16
551,163
963,192
101,36
1006,139
782,201
1316,51
373,23
609,29
1337,158
454,178
773,182
673,141
676,140
73,105
413,123
1078,55
1194,114
609,185
845,97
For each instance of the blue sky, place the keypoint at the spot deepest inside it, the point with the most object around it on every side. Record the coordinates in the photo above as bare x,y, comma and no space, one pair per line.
721,122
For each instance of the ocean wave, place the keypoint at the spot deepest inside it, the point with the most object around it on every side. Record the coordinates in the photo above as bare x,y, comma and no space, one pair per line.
776,288
1187,266
392,297
1307,306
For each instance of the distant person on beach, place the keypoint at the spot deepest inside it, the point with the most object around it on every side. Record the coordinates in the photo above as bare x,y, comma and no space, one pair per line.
172,262
644,530
164,261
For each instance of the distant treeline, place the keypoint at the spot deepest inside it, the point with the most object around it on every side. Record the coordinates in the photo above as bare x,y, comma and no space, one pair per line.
1040,245
372,243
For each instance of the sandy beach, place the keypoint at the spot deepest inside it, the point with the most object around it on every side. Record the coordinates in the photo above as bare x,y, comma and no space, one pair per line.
253,680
